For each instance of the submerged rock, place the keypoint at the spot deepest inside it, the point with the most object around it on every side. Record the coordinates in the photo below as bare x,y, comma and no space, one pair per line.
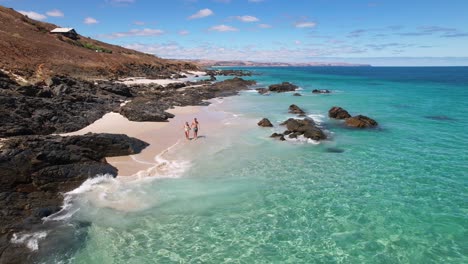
361,121
334,150
265,123
282,87
338,113
297,94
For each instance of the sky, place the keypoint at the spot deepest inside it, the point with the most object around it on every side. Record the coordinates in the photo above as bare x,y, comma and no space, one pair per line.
377,32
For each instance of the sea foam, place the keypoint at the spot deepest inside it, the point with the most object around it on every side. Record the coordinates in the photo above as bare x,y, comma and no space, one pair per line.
30,240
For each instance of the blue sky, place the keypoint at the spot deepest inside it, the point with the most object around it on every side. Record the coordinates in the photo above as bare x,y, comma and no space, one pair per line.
379,32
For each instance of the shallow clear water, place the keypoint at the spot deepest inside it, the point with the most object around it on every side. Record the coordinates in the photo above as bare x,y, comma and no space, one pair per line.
396,194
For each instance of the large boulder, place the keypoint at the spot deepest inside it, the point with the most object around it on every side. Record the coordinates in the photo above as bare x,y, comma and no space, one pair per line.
361,121
145,109
282,87
265,123
338,113
305,127
294,109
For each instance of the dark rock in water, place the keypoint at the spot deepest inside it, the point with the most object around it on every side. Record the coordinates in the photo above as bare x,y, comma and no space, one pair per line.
282,87
294,109
321,91
265,123
294,135
305,127
276,135
440,118
262,90
334,150
282,138
36,170
297,94
361,121
287,132
338,113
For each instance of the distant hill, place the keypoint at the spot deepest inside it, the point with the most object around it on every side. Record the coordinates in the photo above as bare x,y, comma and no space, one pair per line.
210,63
28,49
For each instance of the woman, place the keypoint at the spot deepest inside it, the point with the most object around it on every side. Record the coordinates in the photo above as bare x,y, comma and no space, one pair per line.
187,130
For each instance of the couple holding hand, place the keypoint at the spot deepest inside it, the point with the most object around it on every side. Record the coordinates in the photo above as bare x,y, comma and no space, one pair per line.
195,127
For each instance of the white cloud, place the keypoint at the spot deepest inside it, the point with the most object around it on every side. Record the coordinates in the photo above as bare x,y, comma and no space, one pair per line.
305,24
223,28
247,18
90,21
147,32
205,51
55,13
33,15
139,23
184,32
297,42
264,26
202,13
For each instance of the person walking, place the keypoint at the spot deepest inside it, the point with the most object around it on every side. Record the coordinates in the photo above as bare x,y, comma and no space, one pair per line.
187,130
195,126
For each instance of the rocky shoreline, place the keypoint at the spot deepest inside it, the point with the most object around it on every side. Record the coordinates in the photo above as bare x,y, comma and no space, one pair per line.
36,168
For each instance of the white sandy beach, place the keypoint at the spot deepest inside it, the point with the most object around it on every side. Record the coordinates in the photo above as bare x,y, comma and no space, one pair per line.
163,82
160,135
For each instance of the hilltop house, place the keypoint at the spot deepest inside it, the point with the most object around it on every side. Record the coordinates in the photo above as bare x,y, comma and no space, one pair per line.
67,32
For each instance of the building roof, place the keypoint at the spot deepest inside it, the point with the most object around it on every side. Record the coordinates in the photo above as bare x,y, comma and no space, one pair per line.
62,30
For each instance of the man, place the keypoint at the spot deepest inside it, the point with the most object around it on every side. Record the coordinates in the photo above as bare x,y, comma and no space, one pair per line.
195,126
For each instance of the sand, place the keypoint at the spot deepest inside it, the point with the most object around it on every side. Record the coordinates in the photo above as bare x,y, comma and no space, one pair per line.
163,82
160,135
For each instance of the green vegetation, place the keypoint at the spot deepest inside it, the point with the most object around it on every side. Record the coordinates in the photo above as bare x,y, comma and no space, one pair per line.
96,48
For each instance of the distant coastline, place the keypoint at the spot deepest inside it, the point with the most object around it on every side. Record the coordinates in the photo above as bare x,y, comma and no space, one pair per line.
240,63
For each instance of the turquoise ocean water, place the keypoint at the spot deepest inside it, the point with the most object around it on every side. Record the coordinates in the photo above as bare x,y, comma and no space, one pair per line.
396,194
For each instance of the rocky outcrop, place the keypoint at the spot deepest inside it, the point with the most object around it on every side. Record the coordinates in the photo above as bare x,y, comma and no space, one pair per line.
35,170
294,109
321,91
361,121
64,105
338,113
297,94
300,127
262,90
151,101
265,123
358,121
305,127
282,87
